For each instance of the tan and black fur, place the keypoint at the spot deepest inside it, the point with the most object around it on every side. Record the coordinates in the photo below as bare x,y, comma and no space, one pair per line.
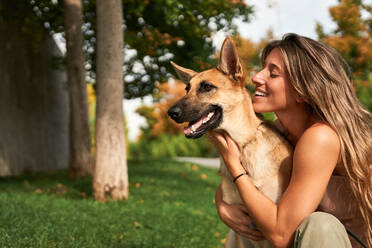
265,154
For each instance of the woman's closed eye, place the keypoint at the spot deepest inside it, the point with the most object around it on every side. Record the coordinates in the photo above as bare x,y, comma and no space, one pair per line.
273,75
274,72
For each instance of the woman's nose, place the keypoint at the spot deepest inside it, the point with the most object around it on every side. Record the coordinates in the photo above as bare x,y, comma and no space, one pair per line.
258,78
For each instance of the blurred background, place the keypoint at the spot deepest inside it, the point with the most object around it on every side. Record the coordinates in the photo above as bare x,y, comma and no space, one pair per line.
189,33
53,91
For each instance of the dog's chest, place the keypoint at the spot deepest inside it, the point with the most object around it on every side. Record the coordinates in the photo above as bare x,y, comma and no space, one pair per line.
265,162
256,161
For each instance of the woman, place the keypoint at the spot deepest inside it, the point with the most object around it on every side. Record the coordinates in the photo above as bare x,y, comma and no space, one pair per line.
306,84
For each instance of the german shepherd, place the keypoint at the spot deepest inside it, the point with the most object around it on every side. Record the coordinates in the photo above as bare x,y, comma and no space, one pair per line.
217,99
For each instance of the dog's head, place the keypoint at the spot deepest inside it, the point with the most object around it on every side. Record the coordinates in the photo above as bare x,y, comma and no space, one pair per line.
210,95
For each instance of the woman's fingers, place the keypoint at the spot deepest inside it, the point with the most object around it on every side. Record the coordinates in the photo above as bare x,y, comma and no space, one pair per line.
243,209
235,216
249,228
217,139
249,233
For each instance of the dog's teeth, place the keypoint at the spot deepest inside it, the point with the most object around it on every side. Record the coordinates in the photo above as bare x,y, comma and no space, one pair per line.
192,129
209,116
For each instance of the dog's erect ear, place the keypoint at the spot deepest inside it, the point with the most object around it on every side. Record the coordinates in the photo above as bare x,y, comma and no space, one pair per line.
229,62
184,74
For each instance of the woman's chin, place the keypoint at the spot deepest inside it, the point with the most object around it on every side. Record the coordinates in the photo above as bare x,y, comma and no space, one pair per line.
261,108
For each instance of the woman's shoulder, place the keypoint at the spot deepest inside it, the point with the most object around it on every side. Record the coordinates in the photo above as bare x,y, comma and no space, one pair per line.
319,140
320,133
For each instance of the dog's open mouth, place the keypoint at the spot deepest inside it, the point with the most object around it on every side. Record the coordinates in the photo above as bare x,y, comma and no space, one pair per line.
209,120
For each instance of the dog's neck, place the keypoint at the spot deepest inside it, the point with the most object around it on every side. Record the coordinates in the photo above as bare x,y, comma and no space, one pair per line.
245,122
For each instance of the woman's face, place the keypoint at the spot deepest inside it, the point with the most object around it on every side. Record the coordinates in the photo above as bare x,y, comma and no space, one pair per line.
273,93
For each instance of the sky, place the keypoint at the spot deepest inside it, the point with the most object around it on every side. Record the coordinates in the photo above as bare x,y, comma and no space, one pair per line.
284,16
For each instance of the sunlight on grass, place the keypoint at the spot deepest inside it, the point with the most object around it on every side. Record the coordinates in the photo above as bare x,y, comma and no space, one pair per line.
171,205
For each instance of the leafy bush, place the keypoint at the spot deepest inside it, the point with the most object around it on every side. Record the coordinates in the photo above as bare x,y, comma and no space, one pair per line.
166,145
364,91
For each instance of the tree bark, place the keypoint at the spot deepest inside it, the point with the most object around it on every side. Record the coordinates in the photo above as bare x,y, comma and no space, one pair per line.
80,143
111,175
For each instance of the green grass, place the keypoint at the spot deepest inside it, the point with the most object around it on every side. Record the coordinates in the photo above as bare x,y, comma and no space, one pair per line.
171,205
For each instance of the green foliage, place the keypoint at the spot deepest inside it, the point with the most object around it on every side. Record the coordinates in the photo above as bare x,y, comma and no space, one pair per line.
162,29
270,116
364,92
171,205
352,38
33,18
166,145
34,14
157,30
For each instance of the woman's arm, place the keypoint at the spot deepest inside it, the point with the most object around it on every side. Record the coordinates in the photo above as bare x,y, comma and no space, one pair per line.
236,217
314,160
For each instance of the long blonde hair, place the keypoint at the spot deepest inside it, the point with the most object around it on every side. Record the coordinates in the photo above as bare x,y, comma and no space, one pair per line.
322,78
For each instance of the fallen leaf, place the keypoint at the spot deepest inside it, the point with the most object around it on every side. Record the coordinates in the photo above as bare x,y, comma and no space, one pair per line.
83,194
137,224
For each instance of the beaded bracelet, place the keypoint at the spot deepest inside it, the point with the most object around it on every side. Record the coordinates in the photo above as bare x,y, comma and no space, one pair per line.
236,178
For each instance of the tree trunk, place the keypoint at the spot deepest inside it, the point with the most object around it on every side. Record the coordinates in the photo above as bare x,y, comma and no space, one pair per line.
34,106
80,143
111,175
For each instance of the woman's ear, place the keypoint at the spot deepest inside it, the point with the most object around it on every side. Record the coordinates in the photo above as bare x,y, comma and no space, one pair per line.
299,99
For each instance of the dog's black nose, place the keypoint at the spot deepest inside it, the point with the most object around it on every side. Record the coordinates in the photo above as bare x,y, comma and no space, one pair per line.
175,112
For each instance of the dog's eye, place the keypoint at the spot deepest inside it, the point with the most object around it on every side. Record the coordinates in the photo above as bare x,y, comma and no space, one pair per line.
205,87
187,87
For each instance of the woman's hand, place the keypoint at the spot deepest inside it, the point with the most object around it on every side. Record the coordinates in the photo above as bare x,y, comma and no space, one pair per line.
228,150
236,217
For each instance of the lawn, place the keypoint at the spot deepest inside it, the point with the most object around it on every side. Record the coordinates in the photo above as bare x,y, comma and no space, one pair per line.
171,205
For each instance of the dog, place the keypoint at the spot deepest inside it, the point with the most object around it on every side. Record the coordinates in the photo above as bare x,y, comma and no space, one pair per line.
217,99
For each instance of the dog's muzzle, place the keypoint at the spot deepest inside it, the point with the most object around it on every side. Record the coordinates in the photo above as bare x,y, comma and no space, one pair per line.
200,121
175,112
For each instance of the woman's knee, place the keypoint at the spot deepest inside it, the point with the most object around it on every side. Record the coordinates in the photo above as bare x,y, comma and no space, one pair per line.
321,222
321,230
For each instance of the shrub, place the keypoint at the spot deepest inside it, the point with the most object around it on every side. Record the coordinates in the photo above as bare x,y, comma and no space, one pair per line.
166,145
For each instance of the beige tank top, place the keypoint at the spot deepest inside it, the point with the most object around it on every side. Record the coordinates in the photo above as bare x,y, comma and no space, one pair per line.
339,201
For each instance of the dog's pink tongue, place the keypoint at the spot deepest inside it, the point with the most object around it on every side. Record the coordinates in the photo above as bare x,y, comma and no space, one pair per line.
188,130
